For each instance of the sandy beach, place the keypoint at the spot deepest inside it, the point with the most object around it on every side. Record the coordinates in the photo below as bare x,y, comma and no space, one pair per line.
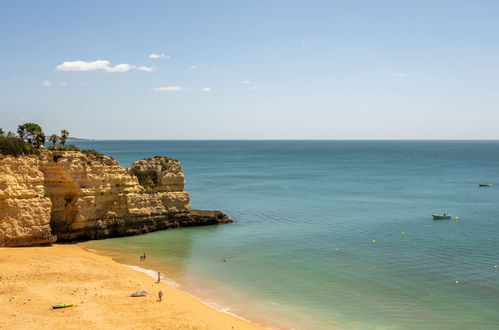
33,279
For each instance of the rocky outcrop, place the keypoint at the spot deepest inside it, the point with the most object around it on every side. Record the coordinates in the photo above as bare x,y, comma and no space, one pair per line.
67,196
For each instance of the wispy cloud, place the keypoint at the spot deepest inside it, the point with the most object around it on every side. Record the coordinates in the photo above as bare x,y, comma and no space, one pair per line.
245,81
92,66
158,56
147,68
46,83
254,87
169,89
207,89
120,68
194,67
102,65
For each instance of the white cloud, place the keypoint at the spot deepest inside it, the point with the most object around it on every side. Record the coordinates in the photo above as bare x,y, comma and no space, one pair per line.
156,56
84,66
100,65
194,67
46,83
169,89
207,89
120,68
245,81
254,87
147,68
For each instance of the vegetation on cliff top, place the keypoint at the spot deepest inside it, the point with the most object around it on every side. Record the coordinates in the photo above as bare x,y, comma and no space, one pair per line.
147,178
30,139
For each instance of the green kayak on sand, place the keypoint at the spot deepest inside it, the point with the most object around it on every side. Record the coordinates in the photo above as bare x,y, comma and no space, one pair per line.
61,306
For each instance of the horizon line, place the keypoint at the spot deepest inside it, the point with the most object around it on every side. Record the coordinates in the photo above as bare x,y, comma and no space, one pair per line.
283,139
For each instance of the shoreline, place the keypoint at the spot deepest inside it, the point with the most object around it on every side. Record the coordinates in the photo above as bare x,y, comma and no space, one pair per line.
152,273
211,303
35,278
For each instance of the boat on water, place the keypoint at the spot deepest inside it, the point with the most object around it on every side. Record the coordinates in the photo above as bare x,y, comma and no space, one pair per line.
138,294
484,185
441,216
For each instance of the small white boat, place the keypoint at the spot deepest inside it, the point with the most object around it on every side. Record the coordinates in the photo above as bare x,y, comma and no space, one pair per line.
138,294
441,216
484,185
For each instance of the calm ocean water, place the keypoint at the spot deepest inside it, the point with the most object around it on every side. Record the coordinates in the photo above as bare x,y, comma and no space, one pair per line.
296,202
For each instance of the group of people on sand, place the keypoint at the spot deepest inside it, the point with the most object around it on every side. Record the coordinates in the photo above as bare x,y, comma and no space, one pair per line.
160,293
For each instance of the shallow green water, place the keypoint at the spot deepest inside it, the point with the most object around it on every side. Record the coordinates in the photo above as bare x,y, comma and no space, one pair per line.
296,202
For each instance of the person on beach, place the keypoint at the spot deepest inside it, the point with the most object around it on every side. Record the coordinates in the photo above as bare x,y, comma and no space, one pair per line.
144,257
159,277
160,295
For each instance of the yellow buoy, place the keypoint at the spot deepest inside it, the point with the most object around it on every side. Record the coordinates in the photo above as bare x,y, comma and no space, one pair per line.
456,218
337,250
495,266
457,282
373,241
402,233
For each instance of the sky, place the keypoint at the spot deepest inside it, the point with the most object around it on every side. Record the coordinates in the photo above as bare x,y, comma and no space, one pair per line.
252,69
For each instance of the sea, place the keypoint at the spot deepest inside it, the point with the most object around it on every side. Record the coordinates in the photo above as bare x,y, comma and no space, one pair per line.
331,234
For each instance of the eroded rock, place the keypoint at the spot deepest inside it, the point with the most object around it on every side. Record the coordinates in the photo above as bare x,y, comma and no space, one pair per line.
68,196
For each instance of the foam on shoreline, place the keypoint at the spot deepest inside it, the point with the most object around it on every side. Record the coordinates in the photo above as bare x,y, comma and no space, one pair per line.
216,306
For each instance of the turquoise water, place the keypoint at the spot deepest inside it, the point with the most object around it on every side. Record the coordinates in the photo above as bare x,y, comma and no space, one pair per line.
296,202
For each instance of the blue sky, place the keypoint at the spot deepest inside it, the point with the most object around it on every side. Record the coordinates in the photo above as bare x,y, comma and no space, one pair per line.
252,69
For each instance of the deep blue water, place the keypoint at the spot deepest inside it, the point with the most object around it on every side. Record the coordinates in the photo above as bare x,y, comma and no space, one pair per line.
300,253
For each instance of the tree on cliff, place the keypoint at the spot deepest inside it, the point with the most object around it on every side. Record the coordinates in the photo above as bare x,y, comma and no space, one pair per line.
2,133
32,133
64,136
53,139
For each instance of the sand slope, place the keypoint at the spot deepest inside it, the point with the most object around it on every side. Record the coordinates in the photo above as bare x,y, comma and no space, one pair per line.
35,278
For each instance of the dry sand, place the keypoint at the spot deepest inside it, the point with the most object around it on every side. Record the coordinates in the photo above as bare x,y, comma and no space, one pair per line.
35,278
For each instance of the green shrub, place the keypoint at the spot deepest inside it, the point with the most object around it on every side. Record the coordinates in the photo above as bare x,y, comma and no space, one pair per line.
147,178
69,147
16,146
92,152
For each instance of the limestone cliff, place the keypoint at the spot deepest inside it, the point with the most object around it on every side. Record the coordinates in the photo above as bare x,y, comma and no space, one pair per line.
68,196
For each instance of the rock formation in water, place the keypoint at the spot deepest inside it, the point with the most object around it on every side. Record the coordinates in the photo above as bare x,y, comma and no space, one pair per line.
68,196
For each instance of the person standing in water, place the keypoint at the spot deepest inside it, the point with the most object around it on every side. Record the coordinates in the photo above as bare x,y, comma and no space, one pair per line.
159,277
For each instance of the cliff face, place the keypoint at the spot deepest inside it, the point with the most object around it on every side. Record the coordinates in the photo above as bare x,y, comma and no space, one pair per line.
24,207
75,196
